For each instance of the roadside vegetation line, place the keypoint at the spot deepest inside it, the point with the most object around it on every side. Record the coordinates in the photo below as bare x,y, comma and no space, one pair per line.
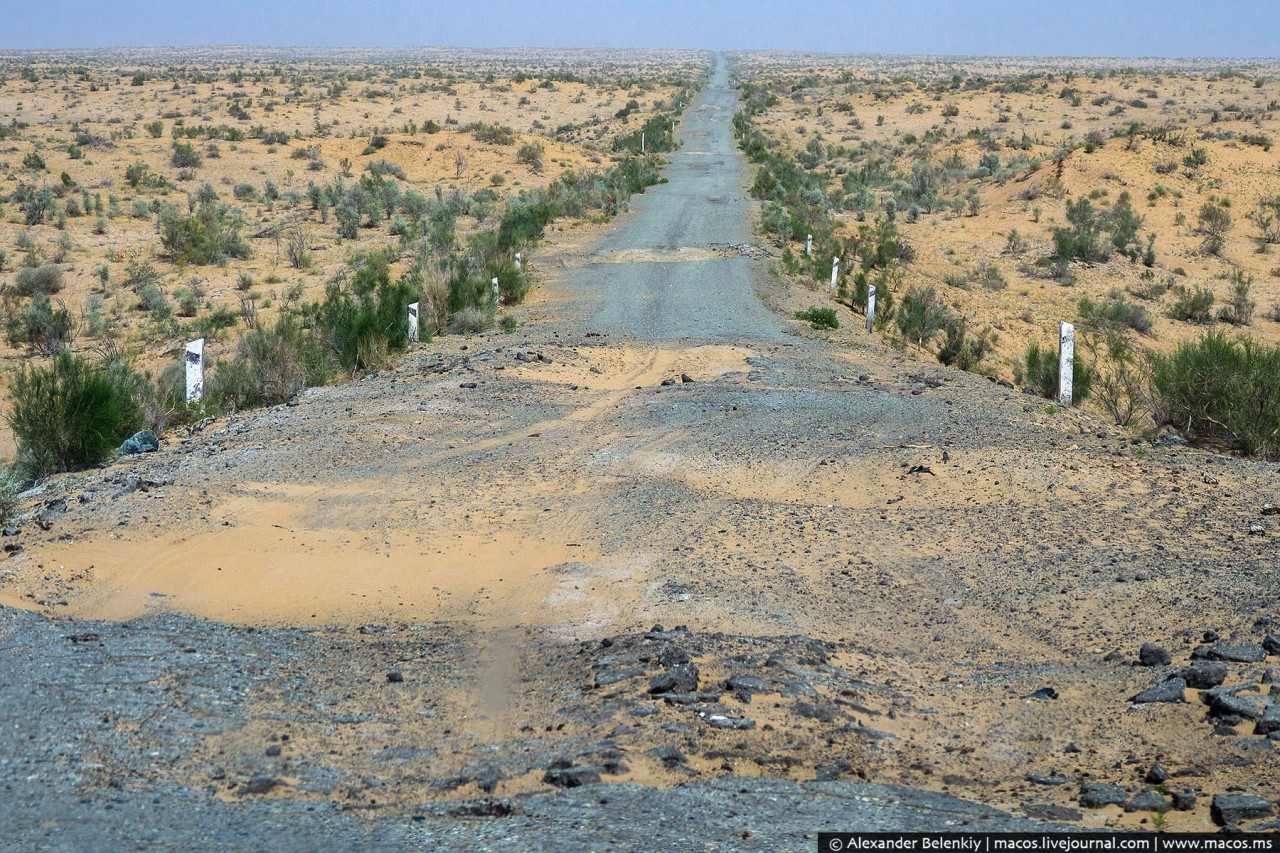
894,199
71,408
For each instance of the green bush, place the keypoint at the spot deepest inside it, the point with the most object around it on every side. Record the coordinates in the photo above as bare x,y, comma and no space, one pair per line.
1039,369
209,236
363,324
1239,311
962,350
1114,314
40,327
271,364
46,278
185,156
68,414
1221,389
921,315
819,318
1192,306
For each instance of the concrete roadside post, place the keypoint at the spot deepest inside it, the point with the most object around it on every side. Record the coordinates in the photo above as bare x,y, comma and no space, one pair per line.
835,271
871,307
413,323
808,245
194,359
496,298
642,143
1066,356
519,260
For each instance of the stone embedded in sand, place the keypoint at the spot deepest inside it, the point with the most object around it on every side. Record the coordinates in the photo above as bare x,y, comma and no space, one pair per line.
668,755
1230,809
1172,690
678,679
1095,795
1148,800
571,777
1223,702
1269,722
1203,675
1157,775
1183,801
1271,644
1153,655
1236,653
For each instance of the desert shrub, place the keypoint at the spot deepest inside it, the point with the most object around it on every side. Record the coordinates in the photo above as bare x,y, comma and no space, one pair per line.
1121,377
1114,314
819,318
152,300
1221,389
530,154
990,277
271,364
298,247
1192,306
1080,240
1213,221
963,350
46,278
493,134
188,302
361,325
1039,370
245,192
209,236
513,284
68,414
42,327
921,315
1239,311
185,156
385,167
471,320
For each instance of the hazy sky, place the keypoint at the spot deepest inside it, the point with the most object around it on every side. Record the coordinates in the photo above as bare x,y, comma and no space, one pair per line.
1234,28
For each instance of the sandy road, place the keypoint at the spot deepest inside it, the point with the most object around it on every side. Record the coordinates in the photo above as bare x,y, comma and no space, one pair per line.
506,547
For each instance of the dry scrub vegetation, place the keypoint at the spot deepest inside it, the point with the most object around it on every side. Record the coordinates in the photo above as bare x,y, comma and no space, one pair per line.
987,200
287,205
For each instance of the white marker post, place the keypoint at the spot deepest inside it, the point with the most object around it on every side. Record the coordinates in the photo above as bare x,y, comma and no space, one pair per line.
519,260
194,358
496,298
413,322
835,271
1066,355
871,307
642,143
808,245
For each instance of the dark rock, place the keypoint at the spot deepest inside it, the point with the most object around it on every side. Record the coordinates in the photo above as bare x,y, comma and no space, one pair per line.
833,772
1237,653
1157,775
668,755
143,441
679,679
1048,811
719,721
1043,693
1146,801
274,750
1271,644
686,378
668,382
1152,655
747,685
823,712
259,783
1269,722
1183,801
1167,691
1114,656
395,677
1223,702
613,676
1095,795
468,385
703,698
1230,809
1204,674
571,777
673,655
1037,779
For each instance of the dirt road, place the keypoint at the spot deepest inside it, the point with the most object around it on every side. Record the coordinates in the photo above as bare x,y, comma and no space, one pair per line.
524,561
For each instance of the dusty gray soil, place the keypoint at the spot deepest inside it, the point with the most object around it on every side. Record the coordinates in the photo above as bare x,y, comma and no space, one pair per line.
405,610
